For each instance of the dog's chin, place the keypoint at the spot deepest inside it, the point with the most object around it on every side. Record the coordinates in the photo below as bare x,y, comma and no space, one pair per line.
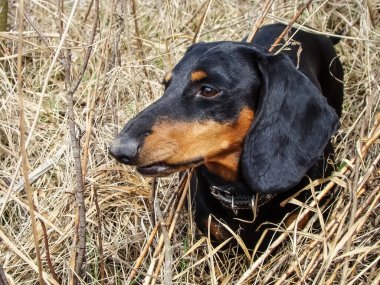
161,169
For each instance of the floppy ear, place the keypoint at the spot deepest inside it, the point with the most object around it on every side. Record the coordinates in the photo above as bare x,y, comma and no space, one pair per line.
292,126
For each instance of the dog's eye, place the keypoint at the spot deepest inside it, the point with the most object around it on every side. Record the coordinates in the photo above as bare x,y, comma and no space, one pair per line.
207,91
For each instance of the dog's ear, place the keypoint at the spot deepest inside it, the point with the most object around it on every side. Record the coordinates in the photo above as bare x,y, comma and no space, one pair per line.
293,124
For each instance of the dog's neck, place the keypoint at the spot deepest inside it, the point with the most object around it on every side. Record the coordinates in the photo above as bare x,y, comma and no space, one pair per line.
225,166
234,195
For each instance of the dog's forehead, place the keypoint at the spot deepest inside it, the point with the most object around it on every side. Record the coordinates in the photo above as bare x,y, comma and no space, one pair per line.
206,56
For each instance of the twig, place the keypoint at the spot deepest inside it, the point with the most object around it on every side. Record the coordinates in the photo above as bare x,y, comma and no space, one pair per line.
100,240
259,21
300,9
24,155
201,24
282,237
79,193
153,199
88,12
118,259
60,11
75,142
47,249
37,31
144,252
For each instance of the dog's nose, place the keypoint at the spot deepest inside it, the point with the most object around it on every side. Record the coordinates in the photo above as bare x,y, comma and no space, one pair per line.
125,151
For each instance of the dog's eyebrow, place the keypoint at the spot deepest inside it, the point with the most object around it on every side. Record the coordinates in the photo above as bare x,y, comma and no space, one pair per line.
198,75
167,77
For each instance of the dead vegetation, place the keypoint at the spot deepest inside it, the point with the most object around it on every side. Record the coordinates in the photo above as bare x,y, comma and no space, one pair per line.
135,43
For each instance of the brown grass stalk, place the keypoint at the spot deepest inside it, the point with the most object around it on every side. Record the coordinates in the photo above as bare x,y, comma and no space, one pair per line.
102,271
354,205
201,23
26,259
260,20
22,129
47,252
300,9
91,101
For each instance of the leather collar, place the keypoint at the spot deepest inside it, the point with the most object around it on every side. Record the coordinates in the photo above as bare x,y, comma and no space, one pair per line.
235,195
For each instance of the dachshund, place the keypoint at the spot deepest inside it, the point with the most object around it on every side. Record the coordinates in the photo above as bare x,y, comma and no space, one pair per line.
254,125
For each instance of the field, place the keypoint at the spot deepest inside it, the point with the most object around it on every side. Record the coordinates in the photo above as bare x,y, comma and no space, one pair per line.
53,54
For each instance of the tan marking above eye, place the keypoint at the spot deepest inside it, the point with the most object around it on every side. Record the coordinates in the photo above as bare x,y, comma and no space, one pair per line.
198,75
175,142
168,76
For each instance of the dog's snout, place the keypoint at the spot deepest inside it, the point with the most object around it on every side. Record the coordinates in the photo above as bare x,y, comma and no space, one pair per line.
125,150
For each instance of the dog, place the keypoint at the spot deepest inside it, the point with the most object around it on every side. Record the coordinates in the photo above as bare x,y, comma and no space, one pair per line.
255,126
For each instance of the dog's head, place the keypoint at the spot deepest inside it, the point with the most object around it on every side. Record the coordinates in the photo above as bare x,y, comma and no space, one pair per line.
232,107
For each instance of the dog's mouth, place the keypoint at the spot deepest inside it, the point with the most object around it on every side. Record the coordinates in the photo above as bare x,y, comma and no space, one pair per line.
160,169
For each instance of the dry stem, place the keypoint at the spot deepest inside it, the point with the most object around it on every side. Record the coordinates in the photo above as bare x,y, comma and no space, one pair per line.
24,154
260,20
302,7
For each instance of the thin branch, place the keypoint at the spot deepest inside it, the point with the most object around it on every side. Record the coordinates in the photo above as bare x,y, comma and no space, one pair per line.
79,193
354,206
201,24
48,256
300,9
75,142
60,11
24,154
259,21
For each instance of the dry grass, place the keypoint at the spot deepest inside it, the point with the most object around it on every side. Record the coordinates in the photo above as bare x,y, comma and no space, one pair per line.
119,81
